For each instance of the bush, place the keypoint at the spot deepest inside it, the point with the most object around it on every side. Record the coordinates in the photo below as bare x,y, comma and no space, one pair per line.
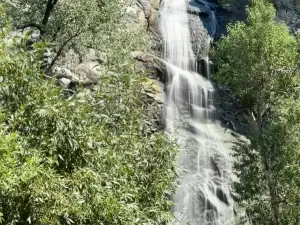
79,159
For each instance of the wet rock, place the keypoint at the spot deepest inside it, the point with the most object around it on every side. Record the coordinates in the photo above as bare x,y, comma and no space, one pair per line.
222,196
215,166
208,22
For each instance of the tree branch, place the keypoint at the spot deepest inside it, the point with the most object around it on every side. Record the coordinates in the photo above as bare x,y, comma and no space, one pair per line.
61,49
49,8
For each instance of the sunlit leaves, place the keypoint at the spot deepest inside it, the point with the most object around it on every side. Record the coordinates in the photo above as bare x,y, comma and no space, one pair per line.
80,159
259,61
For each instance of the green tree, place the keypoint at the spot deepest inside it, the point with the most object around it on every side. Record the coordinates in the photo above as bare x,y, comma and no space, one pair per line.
259,61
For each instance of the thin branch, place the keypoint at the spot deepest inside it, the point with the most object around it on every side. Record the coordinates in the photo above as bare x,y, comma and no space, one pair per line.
60,50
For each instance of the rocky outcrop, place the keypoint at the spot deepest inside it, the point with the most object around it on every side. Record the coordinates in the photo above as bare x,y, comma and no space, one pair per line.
148,63
84,69
208,22
150,9
143,14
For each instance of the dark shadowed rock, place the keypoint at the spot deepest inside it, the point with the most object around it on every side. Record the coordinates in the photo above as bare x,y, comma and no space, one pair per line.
222,196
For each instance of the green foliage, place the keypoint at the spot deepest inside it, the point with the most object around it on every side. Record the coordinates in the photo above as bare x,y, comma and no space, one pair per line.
65,24
260,62
65,17
269,170
80,159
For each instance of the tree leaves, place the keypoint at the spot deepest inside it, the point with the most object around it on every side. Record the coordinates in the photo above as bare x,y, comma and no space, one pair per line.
260,62
79,159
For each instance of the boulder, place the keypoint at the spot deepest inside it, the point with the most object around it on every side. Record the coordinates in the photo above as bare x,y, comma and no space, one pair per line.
80,68
85,73
62,72
34,35
30,34
88,73
65,82
69,59
47,58
138,55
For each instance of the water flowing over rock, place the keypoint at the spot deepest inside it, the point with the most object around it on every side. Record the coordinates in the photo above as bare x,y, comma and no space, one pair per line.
203,194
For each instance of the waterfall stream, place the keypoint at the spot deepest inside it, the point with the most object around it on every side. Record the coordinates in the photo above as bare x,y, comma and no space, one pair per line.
203,193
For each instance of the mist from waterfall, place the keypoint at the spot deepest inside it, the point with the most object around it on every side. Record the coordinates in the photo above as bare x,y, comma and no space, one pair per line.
203,194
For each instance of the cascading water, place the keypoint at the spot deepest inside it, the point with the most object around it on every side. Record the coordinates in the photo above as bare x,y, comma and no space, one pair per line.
203,195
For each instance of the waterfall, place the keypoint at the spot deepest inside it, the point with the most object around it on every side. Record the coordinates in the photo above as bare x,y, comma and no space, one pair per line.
213,23
203,193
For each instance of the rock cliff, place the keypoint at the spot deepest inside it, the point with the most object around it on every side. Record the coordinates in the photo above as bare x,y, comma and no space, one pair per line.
289,12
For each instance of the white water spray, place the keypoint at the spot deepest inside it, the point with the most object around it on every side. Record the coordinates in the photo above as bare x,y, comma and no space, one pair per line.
203,195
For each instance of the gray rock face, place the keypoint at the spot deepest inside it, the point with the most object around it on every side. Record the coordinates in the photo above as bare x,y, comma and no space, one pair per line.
135,17
150,9
289,12
85,70
207,22
146,6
